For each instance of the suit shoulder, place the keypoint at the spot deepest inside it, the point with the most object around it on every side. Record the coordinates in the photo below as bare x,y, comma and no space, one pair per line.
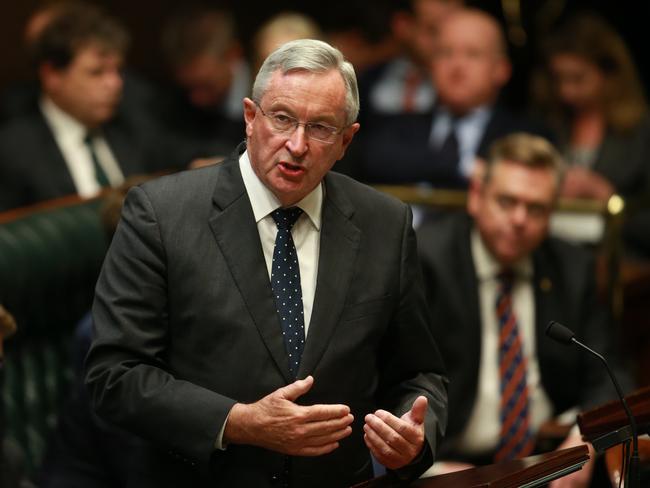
364,196
183,186
568,251
438,236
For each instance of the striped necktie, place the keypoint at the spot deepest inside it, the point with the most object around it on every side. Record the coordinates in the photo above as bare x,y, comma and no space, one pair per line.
516,439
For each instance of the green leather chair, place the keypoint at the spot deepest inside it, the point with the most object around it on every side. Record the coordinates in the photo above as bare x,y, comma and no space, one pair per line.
50,258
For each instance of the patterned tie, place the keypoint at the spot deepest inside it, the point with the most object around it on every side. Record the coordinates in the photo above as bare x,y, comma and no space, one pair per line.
100,175
516,440
285,282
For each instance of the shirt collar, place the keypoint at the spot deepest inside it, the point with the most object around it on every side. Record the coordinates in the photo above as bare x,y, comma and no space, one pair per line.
487,267
264,201
62,124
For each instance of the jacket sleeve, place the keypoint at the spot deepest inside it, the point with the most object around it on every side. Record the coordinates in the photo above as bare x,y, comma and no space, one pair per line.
127,369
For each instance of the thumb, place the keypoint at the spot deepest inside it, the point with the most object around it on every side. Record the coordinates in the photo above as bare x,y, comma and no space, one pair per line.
297,388
418,411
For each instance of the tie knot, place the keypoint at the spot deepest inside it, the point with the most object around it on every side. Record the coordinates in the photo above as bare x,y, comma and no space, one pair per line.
286,217
88,138
506,278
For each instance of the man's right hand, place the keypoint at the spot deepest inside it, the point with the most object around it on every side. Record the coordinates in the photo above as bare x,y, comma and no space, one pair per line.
277,423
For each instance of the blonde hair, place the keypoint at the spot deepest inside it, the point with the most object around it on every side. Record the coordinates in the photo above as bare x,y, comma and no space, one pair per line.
526,149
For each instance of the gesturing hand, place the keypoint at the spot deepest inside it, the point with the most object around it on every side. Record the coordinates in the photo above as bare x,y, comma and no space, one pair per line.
277,423
395,442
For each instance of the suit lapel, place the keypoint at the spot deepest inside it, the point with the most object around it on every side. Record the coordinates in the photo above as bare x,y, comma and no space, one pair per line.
53,171
234,228
464,272
339,244
546,304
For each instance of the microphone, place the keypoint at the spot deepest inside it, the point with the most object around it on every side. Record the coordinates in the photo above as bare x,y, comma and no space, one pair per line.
564,335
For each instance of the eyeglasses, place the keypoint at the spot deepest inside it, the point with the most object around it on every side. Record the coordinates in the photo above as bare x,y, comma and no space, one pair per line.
284,123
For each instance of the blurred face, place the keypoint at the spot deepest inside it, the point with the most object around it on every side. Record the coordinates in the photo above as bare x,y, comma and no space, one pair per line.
291,164
468,68
512,209
578,83
424,29
206,79
90,87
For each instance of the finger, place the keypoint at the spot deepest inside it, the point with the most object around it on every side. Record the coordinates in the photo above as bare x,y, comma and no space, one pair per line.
411,432
418,410
325,427
330,437
384,453
296,389
320,412
315,451
386,434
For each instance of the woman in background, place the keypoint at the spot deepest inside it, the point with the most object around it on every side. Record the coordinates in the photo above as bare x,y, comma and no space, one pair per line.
589,92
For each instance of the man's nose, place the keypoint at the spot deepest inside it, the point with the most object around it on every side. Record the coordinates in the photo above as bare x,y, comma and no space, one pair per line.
114,80
520,214
297,141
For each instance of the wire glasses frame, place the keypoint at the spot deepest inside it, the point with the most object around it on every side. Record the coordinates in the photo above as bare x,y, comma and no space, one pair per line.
286,124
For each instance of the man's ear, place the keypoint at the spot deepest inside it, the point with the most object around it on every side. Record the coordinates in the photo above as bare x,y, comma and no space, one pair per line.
346,138
502,72
49,77
250,111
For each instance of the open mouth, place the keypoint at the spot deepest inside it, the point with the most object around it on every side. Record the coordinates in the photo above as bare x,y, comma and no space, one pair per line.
291,169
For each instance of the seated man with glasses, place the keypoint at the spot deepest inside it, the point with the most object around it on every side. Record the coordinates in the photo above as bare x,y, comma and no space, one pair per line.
262,322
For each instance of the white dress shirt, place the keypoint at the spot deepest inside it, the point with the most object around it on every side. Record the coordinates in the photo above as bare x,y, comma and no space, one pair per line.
482,431
69,135
387,95
305,232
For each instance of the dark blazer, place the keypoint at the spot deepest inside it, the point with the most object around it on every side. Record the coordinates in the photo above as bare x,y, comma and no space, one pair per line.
564,290
186,326
32,167
395,149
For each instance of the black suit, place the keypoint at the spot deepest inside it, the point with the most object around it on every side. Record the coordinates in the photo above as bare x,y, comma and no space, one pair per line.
186,326
395,149
564,290
32,167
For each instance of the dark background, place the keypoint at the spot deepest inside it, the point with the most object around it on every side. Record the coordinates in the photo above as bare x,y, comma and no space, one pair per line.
144,19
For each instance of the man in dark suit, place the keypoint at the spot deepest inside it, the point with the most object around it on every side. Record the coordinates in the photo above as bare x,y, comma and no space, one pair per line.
468,263
470,67
75,140
243,361
210,77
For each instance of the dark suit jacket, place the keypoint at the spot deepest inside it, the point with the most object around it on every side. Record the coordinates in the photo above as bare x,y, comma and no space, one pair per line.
395,149
32,167
564,290
186,326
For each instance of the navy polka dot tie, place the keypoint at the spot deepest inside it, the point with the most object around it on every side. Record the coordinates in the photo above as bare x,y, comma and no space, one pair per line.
285,282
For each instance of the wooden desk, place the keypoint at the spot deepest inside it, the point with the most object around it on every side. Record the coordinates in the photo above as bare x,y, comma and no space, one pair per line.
529,472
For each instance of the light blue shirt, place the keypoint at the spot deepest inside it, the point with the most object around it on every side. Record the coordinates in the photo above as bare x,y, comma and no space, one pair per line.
469,132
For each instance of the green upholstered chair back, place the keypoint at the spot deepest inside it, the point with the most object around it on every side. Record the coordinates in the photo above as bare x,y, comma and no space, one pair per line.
49,262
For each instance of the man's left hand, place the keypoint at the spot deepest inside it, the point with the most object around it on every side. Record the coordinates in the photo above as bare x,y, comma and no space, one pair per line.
396,442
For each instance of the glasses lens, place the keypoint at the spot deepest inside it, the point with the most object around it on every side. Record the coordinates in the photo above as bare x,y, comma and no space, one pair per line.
321,132
283,122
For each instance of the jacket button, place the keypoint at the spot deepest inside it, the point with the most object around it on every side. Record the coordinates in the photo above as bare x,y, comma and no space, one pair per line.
275,479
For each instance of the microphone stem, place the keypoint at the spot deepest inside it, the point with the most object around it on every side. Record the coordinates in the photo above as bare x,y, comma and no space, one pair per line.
633,471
